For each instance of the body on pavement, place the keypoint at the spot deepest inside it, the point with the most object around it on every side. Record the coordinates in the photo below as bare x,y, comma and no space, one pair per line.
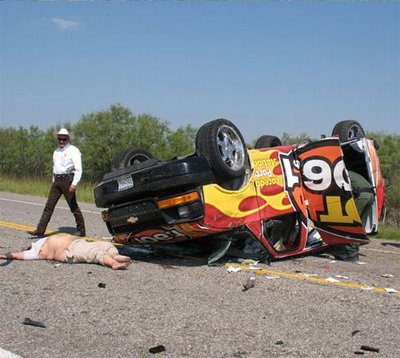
69,248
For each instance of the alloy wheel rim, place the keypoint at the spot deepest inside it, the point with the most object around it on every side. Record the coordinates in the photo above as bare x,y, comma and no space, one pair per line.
230,147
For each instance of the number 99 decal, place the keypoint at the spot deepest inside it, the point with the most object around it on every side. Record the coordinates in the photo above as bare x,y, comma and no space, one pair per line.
326,186
319,175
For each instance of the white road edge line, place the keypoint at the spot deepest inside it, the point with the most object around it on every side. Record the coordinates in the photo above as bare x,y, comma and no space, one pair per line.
37,204
7,354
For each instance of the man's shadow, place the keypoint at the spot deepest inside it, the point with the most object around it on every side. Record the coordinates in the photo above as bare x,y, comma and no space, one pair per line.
66,229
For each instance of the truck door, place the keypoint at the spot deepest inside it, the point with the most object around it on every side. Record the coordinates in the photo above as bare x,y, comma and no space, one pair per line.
317,170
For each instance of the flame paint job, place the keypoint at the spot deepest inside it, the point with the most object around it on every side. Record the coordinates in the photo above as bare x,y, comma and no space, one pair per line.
308,179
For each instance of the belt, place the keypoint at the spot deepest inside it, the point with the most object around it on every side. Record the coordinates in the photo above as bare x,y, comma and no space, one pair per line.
60,176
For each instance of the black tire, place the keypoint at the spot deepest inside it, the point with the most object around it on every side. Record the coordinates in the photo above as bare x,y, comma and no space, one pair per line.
267,141
348,130
130,157
222,144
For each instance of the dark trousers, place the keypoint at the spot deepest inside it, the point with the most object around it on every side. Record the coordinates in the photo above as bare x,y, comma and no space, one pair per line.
60,187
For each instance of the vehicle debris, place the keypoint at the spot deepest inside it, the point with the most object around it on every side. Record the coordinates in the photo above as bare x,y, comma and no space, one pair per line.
273,277
249,283
390,290
29,322
343,277
370,349
331,279
248,262
387,275
157,349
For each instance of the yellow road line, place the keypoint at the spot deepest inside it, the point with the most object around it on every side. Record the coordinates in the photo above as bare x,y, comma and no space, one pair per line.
20,227
319,280
25,228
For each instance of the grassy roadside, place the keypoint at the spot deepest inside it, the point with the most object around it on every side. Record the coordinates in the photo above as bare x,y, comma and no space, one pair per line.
388,232
40,187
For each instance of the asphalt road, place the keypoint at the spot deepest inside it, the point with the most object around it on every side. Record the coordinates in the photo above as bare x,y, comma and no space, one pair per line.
295,309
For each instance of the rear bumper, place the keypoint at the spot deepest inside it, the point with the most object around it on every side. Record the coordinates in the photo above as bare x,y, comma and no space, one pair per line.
152,180
145,214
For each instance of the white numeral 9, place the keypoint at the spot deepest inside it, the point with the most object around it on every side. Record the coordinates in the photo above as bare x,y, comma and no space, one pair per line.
318,175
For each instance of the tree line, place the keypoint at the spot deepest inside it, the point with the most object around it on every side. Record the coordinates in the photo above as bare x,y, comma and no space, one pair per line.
100,136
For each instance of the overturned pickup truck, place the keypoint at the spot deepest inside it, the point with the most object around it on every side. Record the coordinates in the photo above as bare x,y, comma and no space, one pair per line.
289,199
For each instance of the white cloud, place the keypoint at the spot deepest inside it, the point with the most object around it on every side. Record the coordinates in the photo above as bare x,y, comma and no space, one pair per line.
63,24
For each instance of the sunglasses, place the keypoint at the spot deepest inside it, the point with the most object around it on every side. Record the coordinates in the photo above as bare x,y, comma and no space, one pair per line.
62,139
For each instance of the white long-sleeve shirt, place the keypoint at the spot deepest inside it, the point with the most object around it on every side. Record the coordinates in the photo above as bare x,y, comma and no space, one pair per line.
66,160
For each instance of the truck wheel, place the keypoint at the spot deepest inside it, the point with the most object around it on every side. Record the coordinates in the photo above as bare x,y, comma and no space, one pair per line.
267,141
348,130
222,144
130,157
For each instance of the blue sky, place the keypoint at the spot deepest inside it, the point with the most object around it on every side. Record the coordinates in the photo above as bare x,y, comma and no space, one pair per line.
270,67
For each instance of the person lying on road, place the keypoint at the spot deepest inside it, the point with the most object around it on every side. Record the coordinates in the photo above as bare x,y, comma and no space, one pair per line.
72,249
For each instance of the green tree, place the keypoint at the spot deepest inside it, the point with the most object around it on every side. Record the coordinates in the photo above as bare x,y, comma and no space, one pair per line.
181,142
287,139
99,136
389,157
102,135
150,133
24,152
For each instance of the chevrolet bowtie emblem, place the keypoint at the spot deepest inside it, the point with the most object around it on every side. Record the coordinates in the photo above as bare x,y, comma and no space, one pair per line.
132,220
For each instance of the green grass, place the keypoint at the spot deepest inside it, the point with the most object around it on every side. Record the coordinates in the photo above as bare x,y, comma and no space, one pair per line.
388,232
40,187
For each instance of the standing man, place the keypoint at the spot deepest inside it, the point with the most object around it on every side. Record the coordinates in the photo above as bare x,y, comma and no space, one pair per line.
67,172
